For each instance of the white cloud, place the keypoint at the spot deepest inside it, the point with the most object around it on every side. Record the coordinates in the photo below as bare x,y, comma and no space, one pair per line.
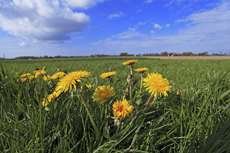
207,30
157,26
81,3
140,23
167,25
22,44
48,21
128,34
152,31
210,23
136,26
148,1
115,15
132,29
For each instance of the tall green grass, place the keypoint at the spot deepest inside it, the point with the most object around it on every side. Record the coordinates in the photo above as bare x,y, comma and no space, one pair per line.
196,120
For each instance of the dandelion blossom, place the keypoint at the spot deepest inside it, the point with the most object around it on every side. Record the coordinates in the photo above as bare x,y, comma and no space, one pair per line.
141,70
130,62
178,92
103,93
89,86
25,75
156,84
71,79
122,109
58,75
108,74
47,78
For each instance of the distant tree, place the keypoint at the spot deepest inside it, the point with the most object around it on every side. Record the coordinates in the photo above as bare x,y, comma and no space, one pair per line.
124,54
165,53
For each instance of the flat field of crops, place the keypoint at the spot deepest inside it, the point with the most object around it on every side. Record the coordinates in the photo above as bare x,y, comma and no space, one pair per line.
112,105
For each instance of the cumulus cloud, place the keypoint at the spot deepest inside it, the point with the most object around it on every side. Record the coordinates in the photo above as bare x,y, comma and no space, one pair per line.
167,25
157,26
48,21
115,15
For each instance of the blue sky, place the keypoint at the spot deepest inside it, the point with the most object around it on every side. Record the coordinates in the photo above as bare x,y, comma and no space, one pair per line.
86,27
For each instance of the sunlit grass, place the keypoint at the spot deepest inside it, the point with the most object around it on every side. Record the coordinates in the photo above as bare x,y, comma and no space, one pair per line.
195,119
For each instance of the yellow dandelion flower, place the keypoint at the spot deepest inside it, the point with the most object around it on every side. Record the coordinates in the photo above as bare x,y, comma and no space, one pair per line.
44,68
59,69
71,79
122,109
58,75
25,75
108,74
156,84
47,78
89,86
141,70
178,92
130,62
103,93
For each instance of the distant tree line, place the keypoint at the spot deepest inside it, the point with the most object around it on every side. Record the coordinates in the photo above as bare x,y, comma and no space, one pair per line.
43,57
165,53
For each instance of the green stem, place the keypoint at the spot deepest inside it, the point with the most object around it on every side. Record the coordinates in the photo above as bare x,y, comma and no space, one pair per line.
88,112
130,92
141,84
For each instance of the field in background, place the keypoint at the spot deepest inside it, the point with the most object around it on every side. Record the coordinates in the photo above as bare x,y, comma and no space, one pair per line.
196,120
191,57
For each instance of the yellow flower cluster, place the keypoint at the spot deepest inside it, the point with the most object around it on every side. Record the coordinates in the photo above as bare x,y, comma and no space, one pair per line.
108,74
154,83
122,109
26,76
39,72
66,83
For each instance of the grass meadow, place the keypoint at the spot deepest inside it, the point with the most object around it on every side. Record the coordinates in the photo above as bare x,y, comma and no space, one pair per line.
193,118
